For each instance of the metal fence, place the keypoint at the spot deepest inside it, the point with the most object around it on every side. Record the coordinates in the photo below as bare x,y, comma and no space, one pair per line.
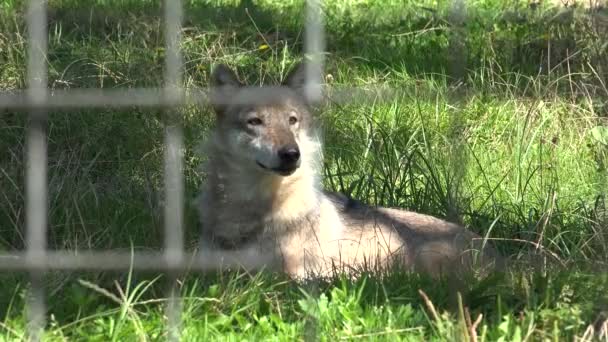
38,100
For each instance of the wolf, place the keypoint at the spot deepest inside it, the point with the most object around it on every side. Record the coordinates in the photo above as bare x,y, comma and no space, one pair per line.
263,195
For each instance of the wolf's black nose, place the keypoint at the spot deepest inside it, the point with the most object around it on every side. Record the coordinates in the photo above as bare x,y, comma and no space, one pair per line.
290,154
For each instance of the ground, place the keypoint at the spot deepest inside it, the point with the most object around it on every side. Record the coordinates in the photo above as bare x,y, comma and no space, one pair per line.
499,121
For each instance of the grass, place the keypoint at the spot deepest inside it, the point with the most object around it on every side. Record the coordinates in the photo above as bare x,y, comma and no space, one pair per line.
500,124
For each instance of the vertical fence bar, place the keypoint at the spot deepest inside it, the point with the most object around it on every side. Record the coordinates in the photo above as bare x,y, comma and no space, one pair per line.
174,178
174,253
36,172
314,45
457,74
457,58
173,222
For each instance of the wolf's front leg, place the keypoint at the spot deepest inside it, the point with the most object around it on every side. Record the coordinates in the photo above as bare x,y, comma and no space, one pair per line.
249,258
305,266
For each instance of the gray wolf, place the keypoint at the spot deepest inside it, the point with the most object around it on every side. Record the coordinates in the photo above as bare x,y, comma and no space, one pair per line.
263,195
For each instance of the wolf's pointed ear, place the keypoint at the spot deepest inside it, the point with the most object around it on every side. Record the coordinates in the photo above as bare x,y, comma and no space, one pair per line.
296,80
222,76
224,84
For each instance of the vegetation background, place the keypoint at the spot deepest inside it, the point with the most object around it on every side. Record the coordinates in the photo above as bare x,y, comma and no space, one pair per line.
500,122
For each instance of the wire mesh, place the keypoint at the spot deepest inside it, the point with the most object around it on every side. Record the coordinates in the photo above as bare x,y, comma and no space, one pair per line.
38,99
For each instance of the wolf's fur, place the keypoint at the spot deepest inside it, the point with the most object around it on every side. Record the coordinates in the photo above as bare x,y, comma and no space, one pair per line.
285,213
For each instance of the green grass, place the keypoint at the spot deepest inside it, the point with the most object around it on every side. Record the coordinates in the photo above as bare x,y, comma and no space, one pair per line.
500,124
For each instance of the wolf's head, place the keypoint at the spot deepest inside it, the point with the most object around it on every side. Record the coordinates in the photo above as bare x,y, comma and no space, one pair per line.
262,129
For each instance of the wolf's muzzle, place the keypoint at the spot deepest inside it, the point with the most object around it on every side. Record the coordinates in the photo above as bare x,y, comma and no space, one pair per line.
289,155
289,161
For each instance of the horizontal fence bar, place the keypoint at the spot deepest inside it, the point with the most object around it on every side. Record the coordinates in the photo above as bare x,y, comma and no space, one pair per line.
138,260
120,260
82,98
156,97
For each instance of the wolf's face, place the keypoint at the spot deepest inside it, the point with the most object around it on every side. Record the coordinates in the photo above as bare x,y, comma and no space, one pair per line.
263,129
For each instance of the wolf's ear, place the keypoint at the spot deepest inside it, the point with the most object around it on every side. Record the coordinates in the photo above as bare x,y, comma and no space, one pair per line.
224,84
296,79
222,76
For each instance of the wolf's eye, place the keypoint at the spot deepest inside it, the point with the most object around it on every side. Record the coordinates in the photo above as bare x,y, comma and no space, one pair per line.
254,122
293,120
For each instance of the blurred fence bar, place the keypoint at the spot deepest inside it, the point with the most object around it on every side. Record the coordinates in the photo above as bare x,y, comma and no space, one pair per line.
36,173
71,99
174,175
110,260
